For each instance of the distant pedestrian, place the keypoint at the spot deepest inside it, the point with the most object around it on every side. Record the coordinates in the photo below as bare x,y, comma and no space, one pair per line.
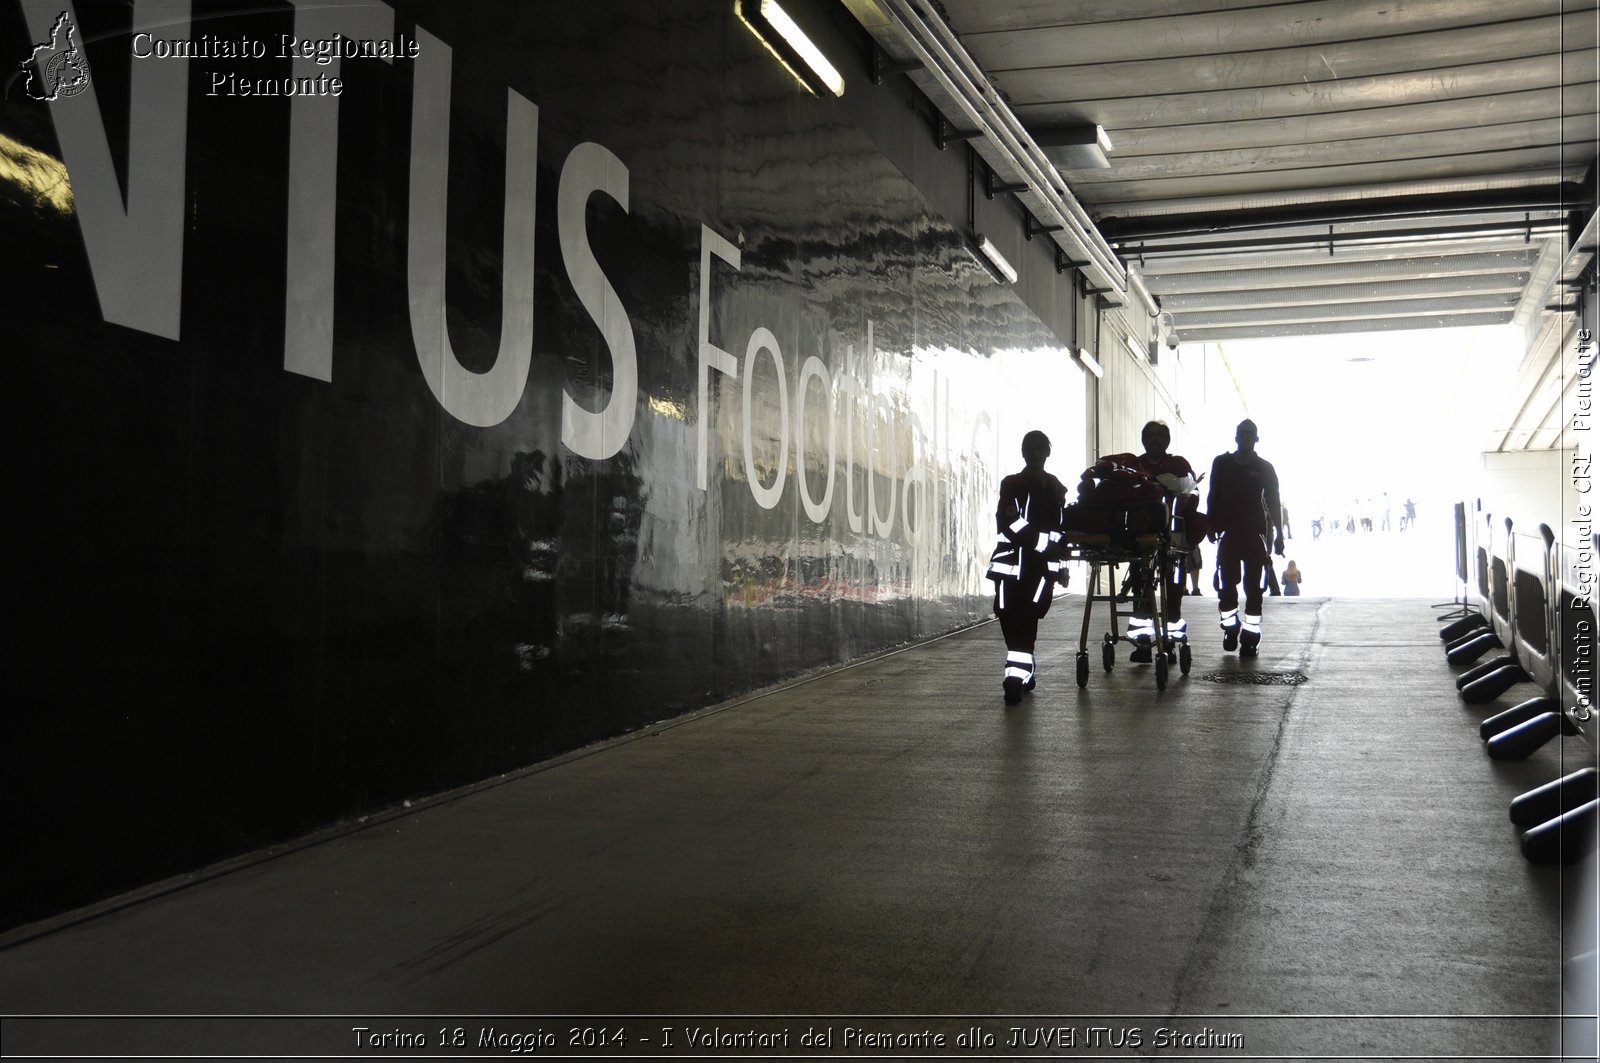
1291,580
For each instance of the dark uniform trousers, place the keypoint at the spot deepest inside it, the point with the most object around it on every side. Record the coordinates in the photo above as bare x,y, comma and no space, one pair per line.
1241,556
1025,564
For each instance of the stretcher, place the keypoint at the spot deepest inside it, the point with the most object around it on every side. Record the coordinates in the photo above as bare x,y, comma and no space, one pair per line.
1145,537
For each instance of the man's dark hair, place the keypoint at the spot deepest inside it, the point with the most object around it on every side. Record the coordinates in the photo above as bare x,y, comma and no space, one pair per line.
1034,437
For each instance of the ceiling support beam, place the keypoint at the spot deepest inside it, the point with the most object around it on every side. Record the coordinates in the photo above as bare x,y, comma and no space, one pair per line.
1335,271
1245,245
1500,282
1334,328
1561,196
1435,307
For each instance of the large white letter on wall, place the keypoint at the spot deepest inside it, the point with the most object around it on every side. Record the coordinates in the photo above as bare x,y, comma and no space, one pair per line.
762,339
880,415
591,168
916,478
479,399
854,393
813,367
314,182
135,251
711,356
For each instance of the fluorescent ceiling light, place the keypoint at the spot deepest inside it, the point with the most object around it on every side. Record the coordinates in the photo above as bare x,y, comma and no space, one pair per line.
830,77
1136,347
997,260
792,44
1089,362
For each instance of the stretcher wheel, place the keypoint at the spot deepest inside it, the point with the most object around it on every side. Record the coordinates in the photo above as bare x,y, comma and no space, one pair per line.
1108,654
1161,671
1183,658
1083,668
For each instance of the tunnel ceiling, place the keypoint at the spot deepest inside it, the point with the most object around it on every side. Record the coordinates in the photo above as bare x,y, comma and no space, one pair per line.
1328,166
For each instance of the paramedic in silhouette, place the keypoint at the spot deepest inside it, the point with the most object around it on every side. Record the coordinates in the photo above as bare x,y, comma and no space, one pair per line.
1174,473
1026,565
1244,510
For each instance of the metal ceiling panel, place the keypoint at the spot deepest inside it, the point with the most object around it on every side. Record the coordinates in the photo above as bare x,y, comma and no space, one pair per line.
1490,141
1430,116
1325,33
1146,108
1106,74
1027,14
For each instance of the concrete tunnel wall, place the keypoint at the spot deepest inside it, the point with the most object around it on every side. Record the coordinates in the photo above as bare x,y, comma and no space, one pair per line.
571,370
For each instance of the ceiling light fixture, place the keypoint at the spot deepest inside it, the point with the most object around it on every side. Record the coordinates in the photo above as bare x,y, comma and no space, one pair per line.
1137,348
1089,363
997,260
790,46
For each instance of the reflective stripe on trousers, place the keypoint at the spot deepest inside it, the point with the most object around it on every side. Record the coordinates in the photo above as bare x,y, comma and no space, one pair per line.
1019,665
1143,628
1230,619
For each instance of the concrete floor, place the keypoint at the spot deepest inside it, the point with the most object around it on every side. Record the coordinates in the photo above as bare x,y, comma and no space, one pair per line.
1322,870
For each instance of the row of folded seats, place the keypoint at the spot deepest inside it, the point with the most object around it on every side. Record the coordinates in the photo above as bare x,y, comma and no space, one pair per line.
1533,607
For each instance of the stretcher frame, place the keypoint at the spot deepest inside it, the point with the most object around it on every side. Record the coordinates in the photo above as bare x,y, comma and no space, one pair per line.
1155,554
